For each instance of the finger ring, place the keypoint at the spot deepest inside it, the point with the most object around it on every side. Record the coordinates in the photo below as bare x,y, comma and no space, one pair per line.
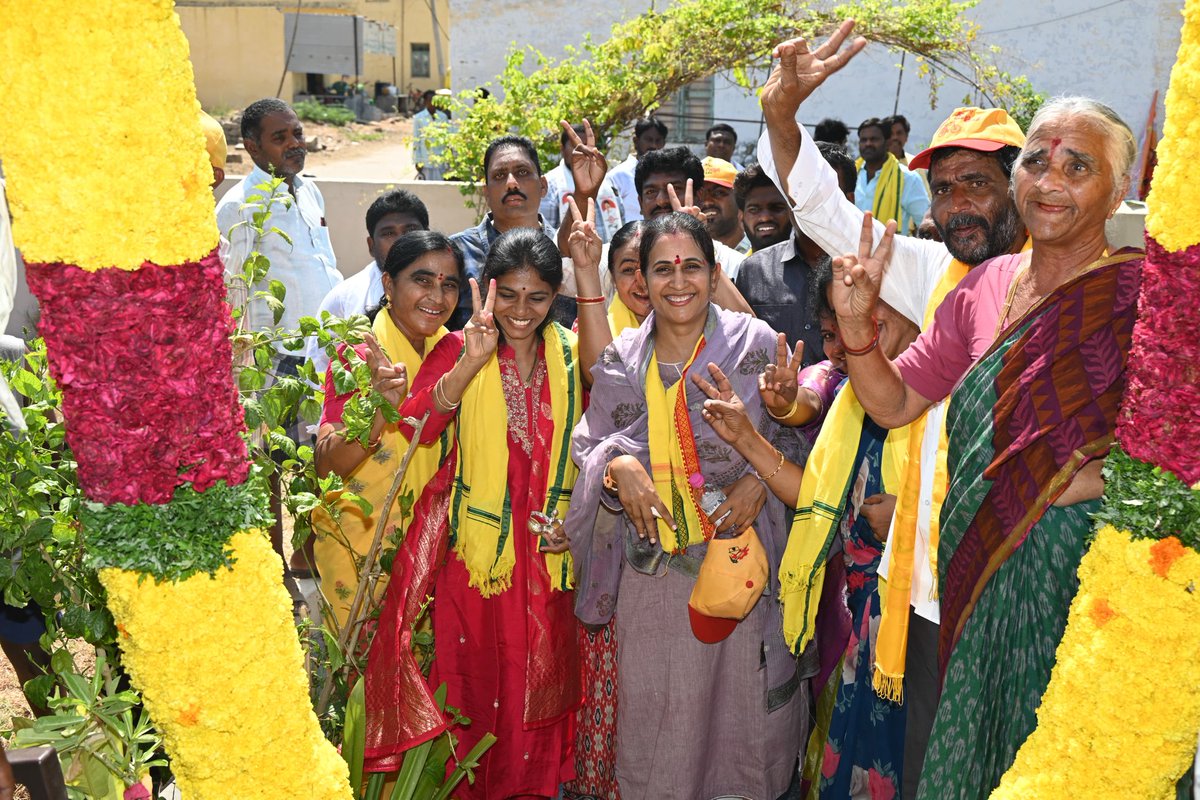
654,513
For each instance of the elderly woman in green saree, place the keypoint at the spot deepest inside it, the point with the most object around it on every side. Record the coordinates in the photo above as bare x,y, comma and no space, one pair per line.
1031,348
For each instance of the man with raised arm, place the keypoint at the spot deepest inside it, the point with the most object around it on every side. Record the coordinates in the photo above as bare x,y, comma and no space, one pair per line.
970,162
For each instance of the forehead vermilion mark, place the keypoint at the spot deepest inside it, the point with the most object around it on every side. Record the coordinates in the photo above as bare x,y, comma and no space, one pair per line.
678,260
1054,144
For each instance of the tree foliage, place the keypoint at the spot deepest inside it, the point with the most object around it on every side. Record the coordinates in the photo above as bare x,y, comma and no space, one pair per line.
649,58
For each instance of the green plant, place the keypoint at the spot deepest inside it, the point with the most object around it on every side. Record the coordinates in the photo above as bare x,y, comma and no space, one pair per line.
312,111
647,59
102,734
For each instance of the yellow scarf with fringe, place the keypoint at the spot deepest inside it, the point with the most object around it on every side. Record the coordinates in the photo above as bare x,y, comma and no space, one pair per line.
889,189
673,458
620,317
827,479
481,524
338,545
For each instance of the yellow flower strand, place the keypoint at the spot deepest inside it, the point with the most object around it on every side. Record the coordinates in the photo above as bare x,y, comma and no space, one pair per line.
103,153
1171,218
220,668
1120,716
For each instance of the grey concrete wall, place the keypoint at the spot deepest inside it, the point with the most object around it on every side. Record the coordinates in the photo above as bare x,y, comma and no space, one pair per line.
346,205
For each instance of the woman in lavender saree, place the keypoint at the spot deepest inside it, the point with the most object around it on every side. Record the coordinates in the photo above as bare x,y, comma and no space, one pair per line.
698,720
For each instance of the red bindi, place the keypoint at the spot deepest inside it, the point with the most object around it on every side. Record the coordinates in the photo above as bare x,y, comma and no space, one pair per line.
440,277
678,260
1054,143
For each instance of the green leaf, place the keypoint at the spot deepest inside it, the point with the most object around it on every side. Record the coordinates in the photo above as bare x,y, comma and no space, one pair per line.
25,382
354,732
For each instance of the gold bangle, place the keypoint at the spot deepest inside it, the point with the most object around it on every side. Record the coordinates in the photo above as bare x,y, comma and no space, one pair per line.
791,409
774,472
439,396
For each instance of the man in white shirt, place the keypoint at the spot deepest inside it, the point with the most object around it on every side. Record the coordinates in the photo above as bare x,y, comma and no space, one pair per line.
969,161
303,262
560,184
649,134
392,215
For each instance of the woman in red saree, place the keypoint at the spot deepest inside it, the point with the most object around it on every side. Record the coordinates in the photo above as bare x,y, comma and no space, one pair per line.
503,622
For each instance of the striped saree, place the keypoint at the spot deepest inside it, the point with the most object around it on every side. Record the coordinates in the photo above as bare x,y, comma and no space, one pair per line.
1027,416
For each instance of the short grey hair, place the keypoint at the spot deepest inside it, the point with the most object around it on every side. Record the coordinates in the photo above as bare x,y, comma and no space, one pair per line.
1120,143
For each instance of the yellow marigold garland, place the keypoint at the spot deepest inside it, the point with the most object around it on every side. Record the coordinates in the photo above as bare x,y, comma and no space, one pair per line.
1120,716
100,176
255,736
1171,217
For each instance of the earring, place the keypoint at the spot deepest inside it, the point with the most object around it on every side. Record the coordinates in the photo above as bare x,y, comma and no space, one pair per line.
386,302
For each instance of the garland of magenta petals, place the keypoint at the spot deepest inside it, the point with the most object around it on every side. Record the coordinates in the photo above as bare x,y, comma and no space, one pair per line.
142,358
1160,418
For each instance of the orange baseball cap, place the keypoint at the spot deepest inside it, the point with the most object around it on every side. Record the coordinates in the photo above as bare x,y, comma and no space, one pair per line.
985,130
732,577
718,171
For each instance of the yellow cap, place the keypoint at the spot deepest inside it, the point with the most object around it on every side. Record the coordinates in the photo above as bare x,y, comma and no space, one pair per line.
718,171
986,130
214,140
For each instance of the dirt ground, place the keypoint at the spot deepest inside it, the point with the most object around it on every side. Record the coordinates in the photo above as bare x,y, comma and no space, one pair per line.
369,151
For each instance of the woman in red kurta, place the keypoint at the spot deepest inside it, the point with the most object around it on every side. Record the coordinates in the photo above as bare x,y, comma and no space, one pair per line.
504,628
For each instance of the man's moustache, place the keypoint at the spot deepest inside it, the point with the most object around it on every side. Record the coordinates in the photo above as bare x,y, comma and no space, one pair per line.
514,193
959,221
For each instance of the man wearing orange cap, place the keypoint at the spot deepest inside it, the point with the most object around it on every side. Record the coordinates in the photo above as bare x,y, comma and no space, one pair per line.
719,206
970,162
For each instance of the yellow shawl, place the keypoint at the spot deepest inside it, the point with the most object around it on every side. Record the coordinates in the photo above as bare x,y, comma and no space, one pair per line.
827,479
620,317
338,546
673,458
889,189
481,524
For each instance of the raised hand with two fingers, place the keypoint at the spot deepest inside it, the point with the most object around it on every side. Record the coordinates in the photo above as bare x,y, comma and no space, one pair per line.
585,245
723,410
799,71
481,334
588,165
856,279
777,385
387,379
688,204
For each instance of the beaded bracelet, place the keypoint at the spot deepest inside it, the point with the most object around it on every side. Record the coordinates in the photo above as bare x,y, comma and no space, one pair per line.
871,346
774,472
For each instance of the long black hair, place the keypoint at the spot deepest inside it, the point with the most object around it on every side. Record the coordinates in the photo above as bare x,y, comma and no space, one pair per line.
669,225
409,248
524,248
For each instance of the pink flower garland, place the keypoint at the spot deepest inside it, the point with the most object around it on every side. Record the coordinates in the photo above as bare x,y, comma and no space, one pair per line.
143,358
1159,422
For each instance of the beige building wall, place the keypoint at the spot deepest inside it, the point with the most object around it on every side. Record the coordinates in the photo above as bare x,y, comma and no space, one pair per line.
414,25
237,53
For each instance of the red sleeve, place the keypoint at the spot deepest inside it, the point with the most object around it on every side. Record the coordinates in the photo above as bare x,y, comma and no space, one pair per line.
438,361
335,404
933,364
